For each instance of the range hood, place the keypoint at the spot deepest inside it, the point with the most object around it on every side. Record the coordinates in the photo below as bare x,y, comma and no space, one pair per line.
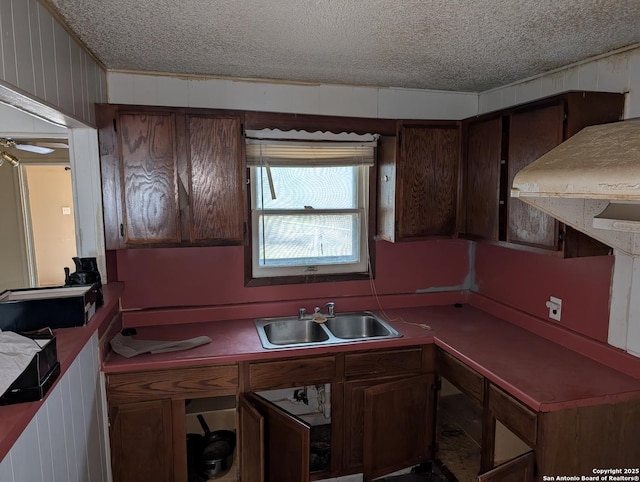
591,182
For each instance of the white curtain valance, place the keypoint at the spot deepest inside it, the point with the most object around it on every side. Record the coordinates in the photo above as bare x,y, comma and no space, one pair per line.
326,149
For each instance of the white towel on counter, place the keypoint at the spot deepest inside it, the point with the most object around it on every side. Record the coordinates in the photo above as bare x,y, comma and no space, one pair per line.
16,352
128,347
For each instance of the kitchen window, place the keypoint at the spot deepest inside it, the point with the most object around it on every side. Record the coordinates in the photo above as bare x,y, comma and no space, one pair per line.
309,207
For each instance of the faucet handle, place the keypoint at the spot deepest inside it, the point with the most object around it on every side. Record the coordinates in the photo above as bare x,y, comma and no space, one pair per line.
302,312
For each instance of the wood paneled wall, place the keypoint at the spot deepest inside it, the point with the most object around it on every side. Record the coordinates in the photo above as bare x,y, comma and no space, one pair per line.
618,72
65,441
39,57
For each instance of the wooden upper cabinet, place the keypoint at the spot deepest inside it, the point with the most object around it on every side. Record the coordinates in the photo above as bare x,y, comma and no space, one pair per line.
499,144
418,190
532,133
482,179
171,177
217,180
148,179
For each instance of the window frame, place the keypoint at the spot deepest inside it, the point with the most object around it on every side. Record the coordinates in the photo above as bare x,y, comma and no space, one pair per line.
361,267
315,277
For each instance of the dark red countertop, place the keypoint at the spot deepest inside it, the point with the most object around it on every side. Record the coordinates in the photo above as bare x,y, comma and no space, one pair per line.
540,373
69,343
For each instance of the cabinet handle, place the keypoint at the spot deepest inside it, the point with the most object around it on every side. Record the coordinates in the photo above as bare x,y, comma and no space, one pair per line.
122,230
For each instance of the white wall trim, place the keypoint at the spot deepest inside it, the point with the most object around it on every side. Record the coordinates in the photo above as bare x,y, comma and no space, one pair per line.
320,99
87,195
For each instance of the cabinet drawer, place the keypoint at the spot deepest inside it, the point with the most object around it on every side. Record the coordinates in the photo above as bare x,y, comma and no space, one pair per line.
179,383
514,415
465,378
289,373
383,362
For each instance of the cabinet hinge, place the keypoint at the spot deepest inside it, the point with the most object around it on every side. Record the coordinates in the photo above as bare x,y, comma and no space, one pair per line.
122,230
560,236
244,228
115,126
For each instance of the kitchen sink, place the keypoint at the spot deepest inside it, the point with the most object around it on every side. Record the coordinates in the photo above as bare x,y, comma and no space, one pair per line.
357,325
290,331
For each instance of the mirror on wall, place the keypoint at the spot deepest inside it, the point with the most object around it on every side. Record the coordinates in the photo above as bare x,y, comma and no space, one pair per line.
38,234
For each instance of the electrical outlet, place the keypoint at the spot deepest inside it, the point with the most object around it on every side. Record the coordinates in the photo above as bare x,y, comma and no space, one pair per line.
555,308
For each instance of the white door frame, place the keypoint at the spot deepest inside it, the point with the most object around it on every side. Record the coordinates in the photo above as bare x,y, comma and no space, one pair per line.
85,172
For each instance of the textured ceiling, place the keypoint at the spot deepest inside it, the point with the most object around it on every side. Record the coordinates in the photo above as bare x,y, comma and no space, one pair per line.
460,45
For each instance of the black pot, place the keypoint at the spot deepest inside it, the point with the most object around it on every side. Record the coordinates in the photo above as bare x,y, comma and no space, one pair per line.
217,452
195,445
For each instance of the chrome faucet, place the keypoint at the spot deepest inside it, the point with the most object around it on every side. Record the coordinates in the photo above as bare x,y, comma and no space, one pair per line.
331,309
302,312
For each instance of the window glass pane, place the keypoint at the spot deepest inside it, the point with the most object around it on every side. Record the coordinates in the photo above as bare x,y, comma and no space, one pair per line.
307,187
307,240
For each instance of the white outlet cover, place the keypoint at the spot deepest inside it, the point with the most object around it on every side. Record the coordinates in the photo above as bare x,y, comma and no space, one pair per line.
555,308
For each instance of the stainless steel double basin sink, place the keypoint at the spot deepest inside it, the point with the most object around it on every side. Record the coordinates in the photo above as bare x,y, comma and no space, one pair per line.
288,332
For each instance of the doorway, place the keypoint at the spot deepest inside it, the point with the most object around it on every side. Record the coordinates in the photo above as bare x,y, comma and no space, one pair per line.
47,199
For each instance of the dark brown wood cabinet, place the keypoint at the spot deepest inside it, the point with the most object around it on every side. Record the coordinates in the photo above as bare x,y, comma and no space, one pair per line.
216,179
141,440
282,440
484,205
397,431
565,440
277,444
382,414
499,144
388,408
148,179
532,133
147,418
520,469
418,182
171,177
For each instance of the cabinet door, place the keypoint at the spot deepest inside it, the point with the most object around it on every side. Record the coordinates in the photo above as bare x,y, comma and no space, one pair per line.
251,442
398,428
482,179
216,196
287,443
141,441
531,134
519,469
148,179
427,181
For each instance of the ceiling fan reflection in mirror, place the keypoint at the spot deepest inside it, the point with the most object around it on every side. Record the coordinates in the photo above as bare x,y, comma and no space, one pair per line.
37,147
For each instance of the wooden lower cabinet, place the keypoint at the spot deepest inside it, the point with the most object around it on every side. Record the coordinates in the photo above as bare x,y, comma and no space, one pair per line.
276,442
516,470
388,424
147,415
397,425
383,418
382,404
142,441
569,441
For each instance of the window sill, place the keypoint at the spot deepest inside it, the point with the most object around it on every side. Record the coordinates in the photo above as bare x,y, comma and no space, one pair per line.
318,278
